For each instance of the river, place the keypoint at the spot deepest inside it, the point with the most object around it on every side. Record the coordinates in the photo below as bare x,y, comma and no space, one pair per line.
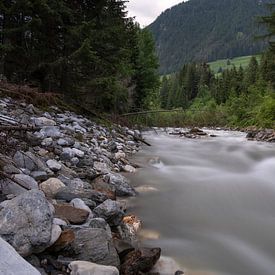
210,200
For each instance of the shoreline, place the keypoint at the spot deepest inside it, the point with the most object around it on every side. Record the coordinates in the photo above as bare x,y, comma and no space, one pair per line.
65,170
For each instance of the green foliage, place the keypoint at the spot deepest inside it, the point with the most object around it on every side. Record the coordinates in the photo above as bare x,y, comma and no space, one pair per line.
206,30
88,50
236,97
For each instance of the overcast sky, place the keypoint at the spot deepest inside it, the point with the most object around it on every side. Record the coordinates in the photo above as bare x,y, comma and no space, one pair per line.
146,11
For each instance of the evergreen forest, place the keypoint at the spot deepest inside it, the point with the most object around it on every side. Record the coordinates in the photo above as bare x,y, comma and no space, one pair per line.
91,52
208,30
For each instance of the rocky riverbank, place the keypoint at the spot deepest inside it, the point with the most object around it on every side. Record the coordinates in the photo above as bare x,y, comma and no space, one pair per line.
60,180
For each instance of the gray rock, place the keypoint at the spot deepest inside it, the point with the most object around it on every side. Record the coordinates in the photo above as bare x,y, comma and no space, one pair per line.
78,153
22,160
80,204
69,194
51,131
11,263
121,184
29,161
43,121
65,141
47,142
67,154
26,222
87,268
111,211
100,223
94,245
11,169
11,187
54,165
75,161
39,175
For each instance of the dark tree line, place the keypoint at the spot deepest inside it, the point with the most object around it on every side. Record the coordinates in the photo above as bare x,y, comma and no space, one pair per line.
89,50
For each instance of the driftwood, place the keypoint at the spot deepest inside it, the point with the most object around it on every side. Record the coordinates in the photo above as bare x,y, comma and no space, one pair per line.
142,140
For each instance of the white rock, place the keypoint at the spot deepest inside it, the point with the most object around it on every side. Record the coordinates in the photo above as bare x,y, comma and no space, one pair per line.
129,169
43,121
78,153
11,263
101,167
120,155
59,222
56,232
54,165
51,186
47,142
88,268
166,265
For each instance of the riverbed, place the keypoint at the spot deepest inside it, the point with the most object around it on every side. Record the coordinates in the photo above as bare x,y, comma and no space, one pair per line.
209,203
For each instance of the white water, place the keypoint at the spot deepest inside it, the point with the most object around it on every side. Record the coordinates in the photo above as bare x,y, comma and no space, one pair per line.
215,204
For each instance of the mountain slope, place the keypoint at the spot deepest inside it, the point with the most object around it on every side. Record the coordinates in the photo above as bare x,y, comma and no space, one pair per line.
206,30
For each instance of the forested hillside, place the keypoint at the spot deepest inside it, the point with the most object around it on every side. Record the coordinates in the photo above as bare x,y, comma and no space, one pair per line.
207,30
88,51
235,96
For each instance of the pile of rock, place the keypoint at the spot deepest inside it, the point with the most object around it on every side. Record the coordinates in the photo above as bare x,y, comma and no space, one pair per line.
58,190
261,135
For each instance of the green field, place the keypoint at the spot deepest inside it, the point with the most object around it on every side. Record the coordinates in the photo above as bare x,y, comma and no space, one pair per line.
237,62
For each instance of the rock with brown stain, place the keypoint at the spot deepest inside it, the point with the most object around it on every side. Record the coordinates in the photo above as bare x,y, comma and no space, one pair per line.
70,213
141,260
66,238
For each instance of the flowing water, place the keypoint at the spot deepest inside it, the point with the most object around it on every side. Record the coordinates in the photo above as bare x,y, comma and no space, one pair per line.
211,201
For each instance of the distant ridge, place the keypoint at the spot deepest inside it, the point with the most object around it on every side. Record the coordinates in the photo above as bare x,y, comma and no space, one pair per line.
207,30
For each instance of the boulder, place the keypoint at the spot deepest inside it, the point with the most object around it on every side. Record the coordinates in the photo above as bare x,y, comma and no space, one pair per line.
87,268
78,153
70,213
140,260
11,263
121,184
43,121
22,160
129,169
26,222
111,211
28,160
65,141
100,223
9,186
51,131
94,245
80,204
67,154
54,165
65,239
51,187
69,194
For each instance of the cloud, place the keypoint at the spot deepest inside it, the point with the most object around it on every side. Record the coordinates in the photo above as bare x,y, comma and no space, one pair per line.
146,11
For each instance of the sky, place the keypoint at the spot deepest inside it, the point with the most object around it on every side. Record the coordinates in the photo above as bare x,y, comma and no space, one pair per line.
146,11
